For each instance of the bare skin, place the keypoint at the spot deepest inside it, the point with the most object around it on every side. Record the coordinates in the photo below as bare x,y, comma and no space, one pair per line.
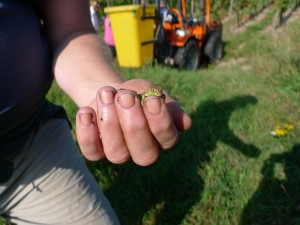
109,123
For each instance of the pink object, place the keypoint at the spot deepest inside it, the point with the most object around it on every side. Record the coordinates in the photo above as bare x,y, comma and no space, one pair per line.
108,34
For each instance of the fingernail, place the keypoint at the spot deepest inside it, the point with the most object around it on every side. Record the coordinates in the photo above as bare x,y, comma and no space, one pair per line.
153,105
107,97
86,119
126,100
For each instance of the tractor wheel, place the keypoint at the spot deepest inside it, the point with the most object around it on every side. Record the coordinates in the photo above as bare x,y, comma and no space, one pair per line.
188,57
213,49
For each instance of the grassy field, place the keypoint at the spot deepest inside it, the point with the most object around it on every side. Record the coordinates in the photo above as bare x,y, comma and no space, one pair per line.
227,169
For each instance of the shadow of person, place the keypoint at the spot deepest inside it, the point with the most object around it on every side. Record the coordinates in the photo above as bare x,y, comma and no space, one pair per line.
164,193
277,199
213,122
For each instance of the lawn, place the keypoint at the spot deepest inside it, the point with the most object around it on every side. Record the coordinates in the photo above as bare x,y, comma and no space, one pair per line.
227,169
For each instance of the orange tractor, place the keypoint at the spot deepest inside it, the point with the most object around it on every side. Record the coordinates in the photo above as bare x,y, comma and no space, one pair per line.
185,41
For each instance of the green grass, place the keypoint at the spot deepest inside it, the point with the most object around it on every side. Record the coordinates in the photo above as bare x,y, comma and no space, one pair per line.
227,169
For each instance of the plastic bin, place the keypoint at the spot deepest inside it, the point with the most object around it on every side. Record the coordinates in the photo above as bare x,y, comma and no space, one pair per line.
133,30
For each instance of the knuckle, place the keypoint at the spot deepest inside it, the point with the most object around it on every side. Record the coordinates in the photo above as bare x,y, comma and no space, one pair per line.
161,128
170,143
167,137
136,127
146,159
117,156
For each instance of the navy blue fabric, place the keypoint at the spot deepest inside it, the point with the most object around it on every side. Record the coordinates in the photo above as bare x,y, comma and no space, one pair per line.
25,71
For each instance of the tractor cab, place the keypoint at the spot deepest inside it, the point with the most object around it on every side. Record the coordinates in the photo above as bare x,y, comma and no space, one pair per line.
183,40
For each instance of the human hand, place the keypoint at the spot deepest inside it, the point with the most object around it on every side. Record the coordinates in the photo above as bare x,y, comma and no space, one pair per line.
119,127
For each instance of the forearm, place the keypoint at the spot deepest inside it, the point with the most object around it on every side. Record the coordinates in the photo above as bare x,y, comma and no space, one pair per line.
81,67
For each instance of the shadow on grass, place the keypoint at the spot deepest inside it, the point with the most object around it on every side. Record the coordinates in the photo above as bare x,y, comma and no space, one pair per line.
277,200
164,193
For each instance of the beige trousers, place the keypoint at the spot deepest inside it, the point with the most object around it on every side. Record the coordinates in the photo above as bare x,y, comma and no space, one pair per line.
52,185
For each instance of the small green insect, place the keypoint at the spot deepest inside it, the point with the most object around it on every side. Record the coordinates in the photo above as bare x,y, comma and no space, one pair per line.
154,90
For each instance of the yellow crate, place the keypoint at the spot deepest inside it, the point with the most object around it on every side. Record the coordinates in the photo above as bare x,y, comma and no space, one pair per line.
133,30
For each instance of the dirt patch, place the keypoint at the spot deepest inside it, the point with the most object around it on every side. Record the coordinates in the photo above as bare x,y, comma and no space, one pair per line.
245,20
254,20
233,62
289,16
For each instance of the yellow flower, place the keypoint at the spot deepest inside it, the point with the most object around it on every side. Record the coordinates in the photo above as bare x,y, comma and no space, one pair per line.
282,130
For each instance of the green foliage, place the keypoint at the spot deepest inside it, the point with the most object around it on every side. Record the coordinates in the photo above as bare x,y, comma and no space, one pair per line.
217,6
262,25
119,2
282,4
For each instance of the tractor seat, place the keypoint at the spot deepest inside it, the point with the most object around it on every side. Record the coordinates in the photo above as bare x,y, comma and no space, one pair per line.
193,21
171,17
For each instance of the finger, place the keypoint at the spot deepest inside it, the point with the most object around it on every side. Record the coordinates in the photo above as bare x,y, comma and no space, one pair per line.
88,134
160,122
140,142
113,141
181,120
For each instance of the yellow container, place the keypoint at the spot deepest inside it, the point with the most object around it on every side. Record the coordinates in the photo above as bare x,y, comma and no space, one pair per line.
133,30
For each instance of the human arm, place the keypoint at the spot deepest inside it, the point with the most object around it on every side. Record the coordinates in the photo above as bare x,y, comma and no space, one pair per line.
83,71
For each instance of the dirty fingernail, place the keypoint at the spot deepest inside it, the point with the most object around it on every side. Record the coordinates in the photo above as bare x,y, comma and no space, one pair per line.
86,119
126,100
153,105
107,97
